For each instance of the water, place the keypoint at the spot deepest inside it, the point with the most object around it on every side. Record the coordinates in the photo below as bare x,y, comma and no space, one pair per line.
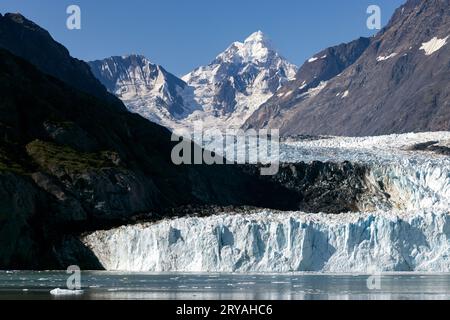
305,286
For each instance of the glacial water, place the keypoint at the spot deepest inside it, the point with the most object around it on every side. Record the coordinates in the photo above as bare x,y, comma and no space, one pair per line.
154,286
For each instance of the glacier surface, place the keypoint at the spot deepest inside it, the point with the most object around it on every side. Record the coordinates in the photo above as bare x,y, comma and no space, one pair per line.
269,241
408,232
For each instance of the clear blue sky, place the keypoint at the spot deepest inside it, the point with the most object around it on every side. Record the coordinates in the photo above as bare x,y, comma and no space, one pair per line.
183,34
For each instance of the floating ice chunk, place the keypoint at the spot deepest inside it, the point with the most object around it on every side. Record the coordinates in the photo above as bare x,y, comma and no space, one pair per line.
433,45
65,292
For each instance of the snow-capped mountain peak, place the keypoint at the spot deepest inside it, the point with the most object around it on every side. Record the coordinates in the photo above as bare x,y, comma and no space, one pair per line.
223,93
145,88
239,80
256,48
257,36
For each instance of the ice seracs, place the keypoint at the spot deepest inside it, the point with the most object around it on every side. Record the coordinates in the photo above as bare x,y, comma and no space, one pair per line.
410,233
433,45
266,241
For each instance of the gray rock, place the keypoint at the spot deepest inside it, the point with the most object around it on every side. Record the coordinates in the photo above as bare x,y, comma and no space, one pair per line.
392,87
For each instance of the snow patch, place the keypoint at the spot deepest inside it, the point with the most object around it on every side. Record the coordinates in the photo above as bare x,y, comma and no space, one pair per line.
313,59
289,92
433,45
316,90
384,58
303,86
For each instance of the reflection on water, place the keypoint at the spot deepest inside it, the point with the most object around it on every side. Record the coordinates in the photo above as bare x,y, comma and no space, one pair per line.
305,286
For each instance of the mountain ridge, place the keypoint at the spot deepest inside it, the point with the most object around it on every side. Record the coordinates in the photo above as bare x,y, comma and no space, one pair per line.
224,92
399,83
26,39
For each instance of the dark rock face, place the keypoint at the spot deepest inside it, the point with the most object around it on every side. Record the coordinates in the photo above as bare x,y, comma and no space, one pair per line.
25,39
393,85
433,146
327,187
20,200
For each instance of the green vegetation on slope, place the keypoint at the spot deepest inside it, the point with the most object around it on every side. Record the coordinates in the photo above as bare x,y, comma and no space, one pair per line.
51,155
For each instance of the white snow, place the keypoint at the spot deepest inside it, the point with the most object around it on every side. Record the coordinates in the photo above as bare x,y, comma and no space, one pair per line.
346,93
254,60
289,92
312,59
315,91
145,88
384,58
433,45
303,86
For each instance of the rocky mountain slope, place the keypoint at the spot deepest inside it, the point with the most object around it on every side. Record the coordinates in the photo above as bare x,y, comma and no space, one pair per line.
398,83
224,93
26,39
146,88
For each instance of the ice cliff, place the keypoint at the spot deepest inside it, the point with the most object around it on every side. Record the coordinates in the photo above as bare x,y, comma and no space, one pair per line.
403,223
280,242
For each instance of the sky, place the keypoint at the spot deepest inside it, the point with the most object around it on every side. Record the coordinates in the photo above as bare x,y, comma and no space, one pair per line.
181,35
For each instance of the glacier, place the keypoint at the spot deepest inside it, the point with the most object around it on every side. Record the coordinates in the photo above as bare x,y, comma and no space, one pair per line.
408,229
268,241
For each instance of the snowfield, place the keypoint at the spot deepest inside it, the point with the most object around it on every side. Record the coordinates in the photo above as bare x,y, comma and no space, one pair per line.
409,233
